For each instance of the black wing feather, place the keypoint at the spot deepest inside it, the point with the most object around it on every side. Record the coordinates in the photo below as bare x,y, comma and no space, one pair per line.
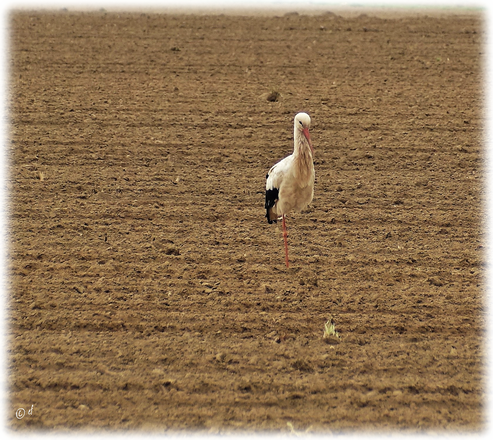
271,197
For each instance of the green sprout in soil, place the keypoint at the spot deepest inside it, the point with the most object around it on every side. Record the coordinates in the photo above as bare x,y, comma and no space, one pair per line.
330,332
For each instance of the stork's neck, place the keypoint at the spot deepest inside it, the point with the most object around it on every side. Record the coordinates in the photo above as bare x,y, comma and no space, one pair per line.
302,150
303,159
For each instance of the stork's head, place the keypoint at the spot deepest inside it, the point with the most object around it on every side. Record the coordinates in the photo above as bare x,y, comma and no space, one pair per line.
302,123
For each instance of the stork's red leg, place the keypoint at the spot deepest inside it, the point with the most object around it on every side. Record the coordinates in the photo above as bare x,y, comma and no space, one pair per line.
285,235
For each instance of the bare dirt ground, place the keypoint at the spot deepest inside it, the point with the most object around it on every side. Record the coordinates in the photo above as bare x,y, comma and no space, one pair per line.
147,290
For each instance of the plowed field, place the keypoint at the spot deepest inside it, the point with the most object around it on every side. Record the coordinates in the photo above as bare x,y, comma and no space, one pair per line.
147,290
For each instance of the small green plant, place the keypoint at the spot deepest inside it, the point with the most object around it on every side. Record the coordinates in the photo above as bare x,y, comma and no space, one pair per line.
331,335
291,428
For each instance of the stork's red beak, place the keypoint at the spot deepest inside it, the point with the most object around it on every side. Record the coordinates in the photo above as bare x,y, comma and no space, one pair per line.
307,135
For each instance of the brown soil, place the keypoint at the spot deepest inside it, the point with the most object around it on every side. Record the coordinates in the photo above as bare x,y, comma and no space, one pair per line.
147,290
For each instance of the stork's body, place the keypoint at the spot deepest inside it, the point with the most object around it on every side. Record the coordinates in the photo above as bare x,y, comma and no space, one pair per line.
289,185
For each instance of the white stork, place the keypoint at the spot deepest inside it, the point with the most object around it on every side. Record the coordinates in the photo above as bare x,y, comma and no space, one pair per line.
289,185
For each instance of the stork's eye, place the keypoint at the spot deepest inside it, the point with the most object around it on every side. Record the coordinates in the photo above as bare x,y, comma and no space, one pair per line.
301,123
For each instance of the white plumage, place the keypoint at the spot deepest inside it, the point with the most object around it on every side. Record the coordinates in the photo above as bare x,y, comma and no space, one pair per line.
289,185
